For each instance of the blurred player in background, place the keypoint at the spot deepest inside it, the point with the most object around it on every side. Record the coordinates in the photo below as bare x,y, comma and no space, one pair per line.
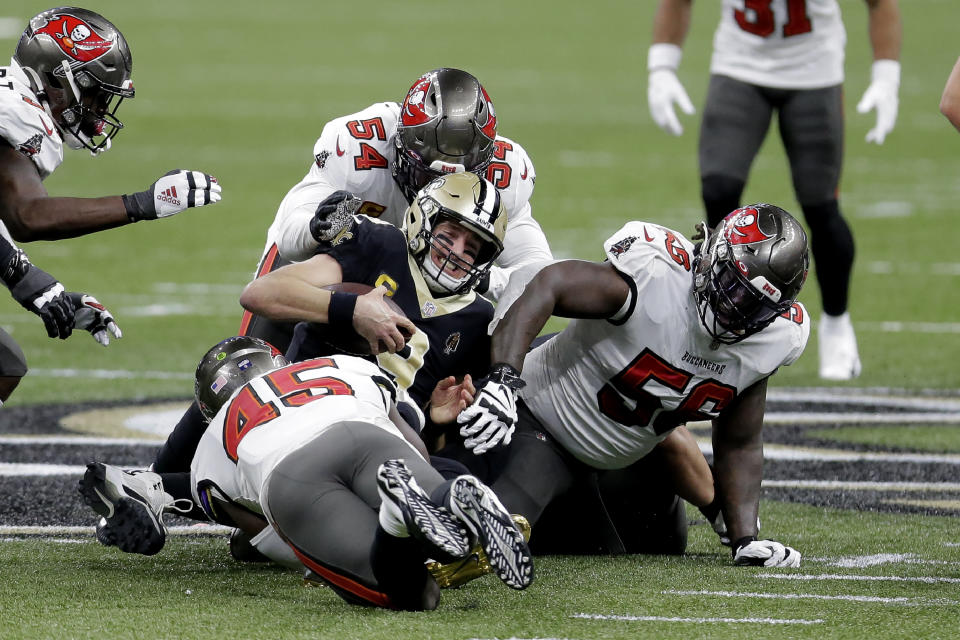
664,332
69,73
783,55
950,100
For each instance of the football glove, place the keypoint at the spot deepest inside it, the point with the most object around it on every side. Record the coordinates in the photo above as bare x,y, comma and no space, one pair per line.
38,291
92,316
664,89
492,418
333,215
749,551
882,96
176,191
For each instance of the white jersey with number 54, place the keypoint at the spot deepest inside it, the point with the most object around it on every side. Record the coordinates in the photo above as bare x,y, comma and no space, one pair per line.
610,390
786,44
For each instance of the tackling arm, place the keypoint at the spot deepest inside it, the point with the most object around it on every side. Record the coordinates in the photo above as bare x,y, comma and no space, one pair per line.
571,289
31,214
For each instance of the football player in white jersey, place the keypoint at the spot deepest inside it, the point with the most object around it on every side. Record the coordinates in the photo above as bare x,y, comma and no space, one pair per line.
315,462
68,75
665,332
784,56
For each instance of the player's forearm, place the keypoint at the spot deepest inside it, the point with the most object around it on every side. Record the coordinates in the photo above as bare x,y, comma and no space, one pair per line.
512,338
46,218
738,471
672,21
950,100
285,299
886,30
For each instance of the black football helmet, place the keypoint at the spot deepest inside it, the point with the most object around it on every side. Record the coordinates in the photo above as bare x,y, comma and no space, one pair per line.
465,199
79,66
228,366
749,270
447,124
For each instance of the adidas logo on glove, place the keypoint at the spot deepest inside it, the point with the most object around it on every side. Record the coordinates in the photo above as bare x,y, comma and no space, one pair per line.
170,196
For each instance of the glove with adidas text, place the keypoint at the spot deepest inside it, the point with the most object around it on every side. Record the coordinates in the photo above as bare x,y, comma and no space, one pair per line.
492,418
749,551
176,191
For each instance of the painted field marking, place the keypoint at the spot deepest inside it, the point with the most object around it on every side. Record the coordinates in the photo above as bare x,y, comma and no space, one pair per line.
861,562
592,616
78,440
831,485
54,530
840,576
789,596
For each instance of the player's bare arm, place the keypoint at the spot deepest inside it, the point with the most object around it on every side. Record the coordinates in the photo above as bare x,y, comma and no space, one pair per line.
570,289
738,459
886,30
950,100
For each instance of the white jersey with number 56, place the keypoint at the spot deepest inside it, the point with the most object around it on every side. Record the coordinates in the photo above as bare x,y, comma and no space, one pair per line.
610,390
787,44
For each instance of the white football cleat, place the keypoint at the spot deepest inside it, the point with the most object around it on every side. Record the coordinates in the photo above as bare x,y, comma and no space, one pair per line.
132,505
839,358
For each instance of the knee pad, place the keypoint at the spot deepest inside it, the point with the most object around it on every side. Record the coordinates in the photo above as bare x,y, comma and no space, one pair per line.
721,195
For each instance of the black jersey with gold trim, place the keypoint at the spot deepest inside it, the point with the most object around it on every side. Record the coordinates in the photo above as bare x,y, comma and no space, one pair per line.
451,337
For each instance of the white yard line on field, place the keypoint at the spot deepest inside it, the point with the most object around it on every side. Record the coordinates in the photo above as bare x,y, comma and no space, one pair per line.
189,530
843,485
789,596
840,576
593,616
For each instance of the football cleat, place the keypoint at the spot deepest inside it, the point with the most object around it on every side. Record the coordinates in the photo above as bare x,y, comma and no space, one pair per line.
837,346
494,529
406,509
475,565
132,505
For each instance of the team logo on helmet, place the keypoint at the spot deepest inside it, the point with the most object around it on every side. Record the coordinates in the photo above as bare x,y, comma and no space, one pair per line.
489,128
414,109
743,227
75,37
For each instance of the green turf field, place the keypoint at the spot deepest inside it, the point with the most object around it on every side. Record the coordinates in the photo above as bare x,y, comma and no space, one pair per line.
241,90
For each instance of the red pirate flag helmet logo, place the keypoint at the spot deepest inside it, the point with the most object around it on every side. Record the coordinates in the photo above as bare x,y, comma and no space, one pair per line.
413,111
75,37
743,227
489,128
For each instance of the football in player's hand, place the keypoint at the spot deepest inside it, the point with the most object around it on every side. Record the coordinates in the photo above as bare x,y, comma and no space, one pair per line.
346,339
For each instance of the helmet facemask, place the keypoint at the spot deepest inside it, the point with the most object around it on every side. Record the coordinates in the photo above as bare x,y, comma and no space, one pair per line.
89,121
470,203
743,280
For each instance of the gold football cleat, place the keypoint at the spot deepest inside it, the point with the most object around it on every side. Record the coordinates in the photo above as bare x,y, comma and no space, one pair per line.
459,572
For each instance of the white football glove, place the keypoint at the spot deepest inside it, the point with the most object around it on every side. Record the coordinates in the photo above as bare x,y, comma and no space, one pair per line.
765,553
882,96
492,418
92,316
176,191
664,89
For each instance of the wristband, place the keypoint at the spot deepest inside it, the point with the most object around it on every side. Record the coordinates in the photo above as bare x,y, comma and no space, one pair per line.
664,55
340,310
885,70
137,204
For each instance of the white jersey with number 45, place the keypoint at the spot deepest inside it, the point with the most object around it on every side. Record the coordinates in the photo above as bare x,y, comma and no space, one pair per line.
357,152
276,413
610,390
786,44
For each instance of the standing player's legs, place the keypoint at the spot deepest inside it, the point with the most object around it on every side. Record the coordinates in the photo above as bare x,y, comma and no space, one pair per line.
735,122
811,125
323,500
177,452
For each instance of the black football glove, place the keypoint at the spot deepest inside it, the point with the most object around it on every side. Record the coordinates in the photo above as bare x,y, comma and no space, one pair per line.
333,215
176,191
40,293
